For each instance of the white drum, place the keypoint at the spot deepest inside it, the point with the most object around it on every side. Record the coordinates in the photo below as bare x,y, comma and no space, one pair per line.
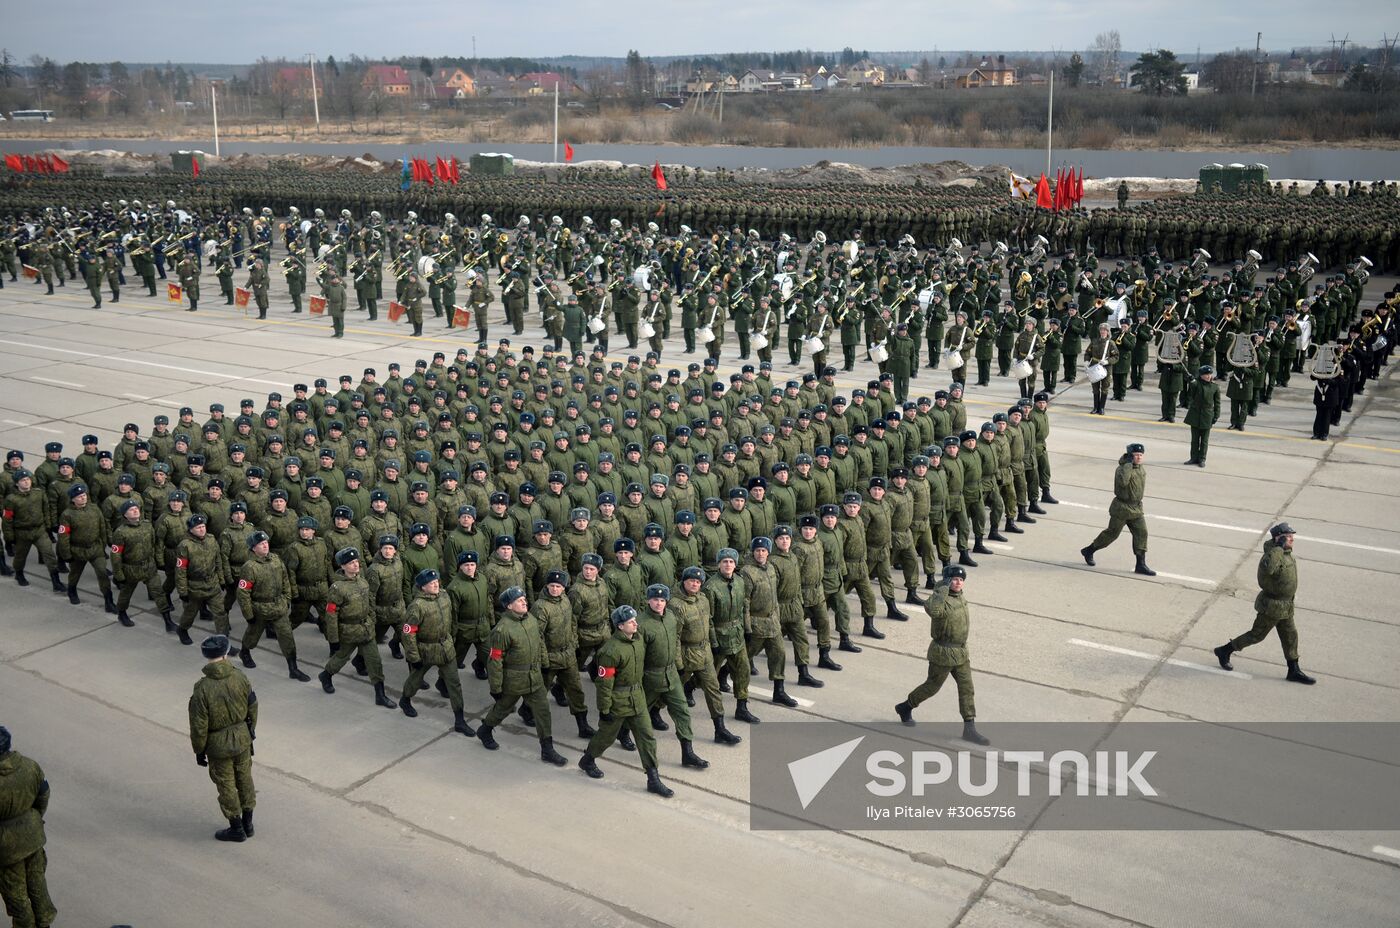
647,330
760,341
705,334
952,359
815,345
1096,372
879,353
1022,369
596,324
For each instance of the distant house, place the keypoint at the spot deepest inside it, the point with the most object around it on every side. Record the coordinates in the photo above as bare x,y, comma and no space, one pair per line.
827,81
388,79
792,80
752,81
457,79
295,81
996,73
711,83
535,83
1295,71
1193,81
1329,72
865,73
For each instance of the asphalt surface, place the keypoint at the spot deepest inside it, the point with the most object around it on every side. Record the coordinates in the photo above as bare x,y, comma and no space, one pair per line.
368,818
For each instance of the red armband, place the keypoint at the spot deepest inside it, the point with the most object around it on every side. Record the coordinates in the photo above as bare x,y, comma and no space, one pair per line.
410,629
117,549
496,654
606,672
245,584
9,514
330,608
182,562
63,528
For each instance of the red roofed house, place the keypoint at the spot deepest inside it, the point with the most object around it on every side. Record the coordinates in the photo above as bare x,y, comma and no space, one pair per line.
389,79
297,81
458,80
538,82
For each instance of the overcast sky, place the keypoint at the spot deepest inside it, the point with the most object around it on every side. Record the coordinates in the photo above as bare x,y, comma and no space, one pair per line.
240,31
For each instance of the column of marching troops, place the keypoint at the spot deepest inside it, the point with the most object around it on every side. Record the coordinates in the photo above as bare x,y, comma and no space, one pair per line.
662,528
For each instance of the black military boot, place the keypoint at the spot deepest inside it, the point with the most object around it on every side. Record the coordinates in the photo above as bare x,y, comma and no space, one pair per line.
1022,517
1088,555
970,733
780,696
549,755
657,722
979,548
358,663
724,679
1142,567
73,594
847,645
654,785
247,658
905,713
234,831
584,729
824,660
965,559
806,679
5,570
380,699
168,618
589,765
295,672
109,605
442,687
1222,654
624,740
326,683
742,713
20,578
870,631
690,759
478,668
912,596
395,651
248,822
557,691
690,694
58,586
722,734
406,704
483,734
125,619
184,636
527,715
1296,675
753,668
892,611
1011,527
1035,508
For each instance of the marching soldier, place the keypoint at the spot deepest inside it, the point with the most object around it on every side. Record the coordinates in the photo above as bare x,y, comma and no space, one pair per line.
265,597
947,654
659,630
1202,412
133,551
1129,487
427,642
24,800
515,666
1273,607
223,725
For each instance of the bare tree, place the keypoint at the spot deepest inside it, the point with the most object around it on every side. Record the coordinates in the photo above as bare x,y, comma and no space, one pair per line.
1104,54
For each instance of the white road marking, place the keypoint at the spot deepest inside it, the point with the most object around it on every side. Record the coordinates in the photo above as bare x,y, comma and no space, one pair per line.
1248,531
1153,657
1201,580
17,422
768,694
168,367
40,428
1001,545
135,396
1384,851
61,383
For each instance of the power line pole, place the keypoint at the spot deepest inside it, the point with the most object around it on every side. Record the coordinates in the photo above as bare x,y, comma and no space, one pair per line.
1254,81
315,100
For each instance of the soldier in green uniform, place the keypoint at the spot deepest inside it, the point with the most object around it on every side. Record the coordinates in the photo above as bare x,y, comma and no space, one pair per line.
223,726
335,304
24,800
133,551
559,634
265,593
659,629
427,643
412,299
1202,412
82,541
515,667
791,612
294,268
697,665
947,654
622,703
258,283
349,625
1129,487
199,571
188,272
1273,607
92,276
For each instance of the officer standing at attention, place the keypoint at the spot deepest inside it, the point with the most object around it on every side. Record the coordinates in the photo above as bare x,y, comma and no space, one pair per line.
24,798
1129,485
947,653
622,702
1273,607
223,725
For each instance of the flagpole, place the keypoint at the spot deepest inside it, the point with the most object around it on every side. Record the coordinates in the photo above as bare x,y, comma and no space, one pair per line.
556,122
214,98
315,98
1050,121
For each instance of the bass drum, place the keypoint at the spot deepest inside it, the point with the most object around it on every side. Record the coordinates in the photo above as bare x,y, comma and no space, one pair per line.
879,353
596,324
815,345
1096,372
426,266
952,359
705,334
646,330
760,341
1022,369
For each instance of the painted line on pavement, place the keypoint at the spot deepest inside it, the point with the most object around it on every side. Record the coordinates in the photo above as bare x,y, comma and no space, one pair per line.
1248,531
768,695
1384,851
1001,545
17,422
61,383
1201,580
135,396
125,360
1161,660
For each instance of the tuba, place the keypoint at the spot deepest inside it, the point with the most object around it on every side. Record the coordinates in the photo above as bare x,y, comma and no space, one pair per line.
1037,252
1306,270
1200,263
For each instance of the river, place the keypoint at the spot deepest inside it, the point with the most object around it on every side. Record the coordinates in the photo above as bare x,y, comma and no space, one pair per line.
1304,163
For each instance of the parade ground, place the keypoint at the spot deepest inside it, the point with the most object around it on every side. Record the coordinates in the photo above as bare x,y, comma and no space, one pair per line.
369,818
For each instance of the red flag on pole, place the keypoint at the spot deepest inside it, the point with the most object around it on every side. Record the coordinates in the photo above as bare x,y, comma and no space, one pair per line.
1042,193
659,176
194,167
444,173
30,164
568,153
59,164
456,170
1079,188
14,163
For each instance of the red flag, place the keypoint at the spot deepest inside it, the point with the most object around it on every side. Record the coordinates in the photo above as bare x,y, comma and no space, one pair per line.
1079,188
427,172
29,163
14,163
59,164
456,171
194,167
568,153
1061,191
444,173
658,176
318,305
1042,193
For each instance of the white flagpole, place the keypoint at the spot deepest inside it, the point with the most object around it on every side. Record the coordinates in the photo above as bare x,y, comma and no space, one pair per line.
1050,121
214,99
556,122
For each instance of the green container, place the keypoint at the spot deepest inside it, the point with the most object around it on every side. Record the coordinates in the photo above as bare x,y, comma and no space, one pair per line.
183,161
495,164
